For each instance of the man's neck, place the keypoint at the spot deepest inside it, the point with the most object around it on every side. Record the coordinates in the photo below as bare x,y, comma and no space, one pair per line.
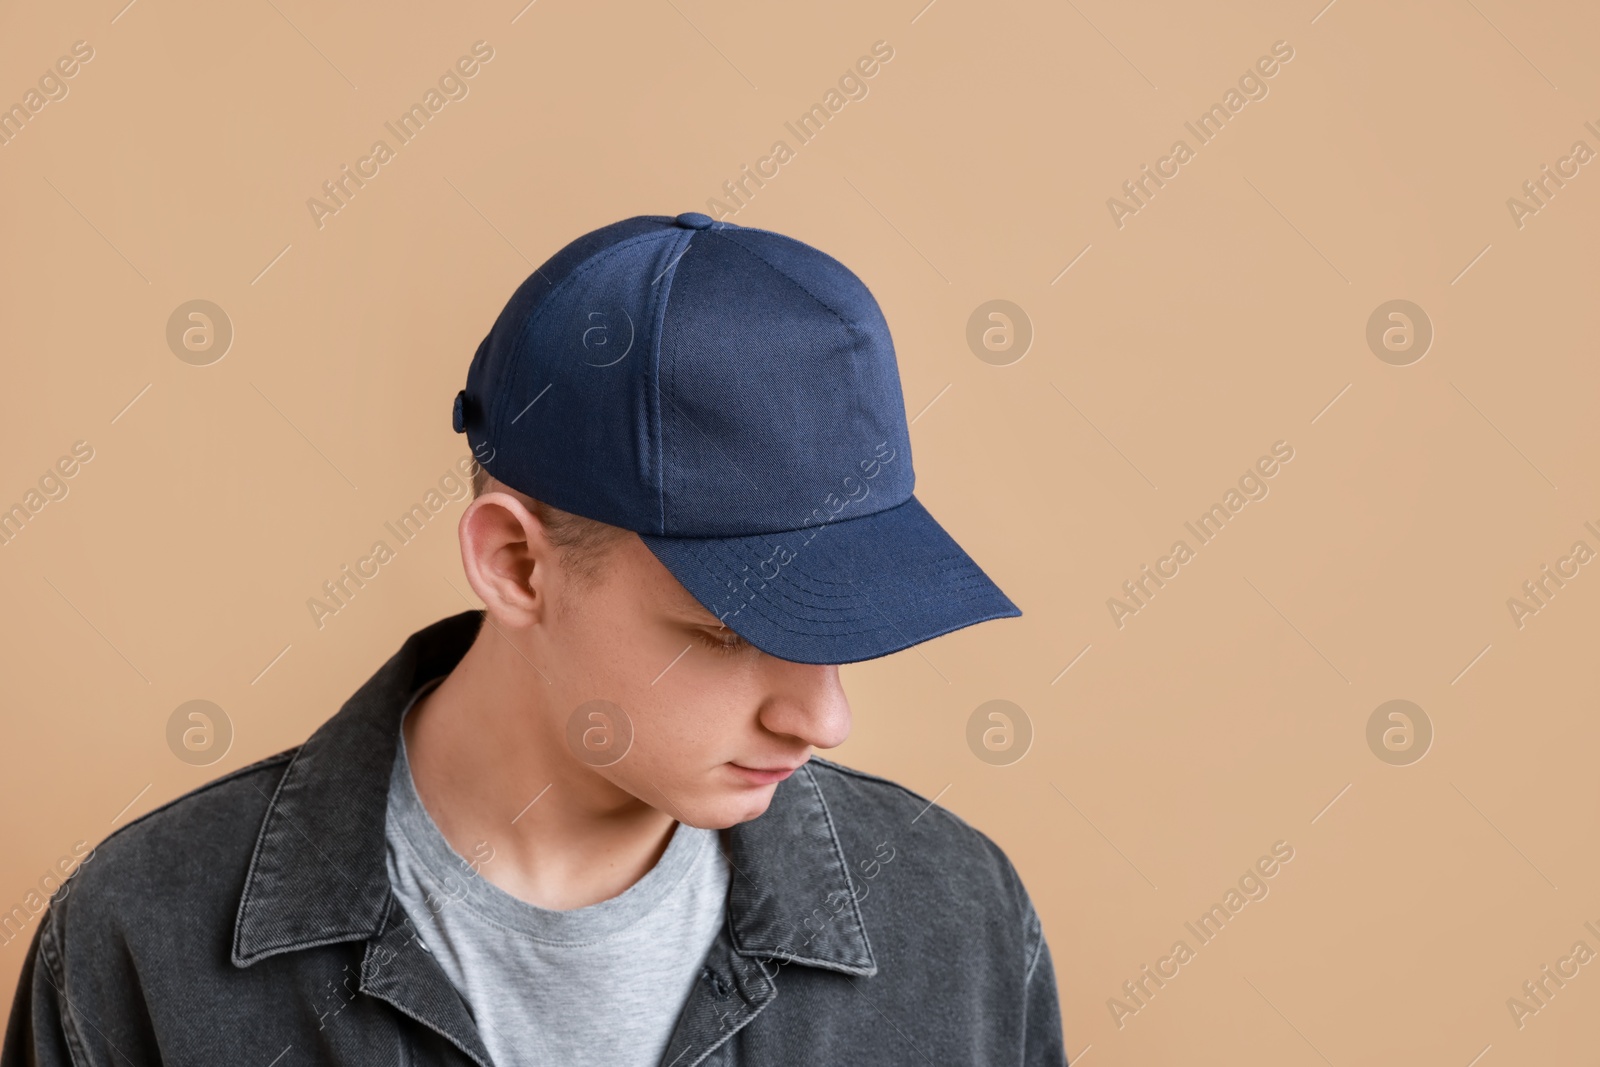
492,769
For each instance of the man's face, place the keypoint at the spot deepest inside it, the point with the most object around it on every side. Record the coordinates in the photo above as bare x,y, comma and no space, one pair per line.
707,709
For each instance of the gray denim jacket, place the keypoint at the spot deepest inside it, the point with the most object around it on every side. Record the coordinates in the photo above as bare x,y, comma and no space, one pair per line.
251,921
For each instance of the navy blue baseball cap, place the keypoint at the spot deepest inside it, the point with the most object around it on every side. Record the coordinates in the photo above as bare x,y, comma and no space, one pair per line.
731,395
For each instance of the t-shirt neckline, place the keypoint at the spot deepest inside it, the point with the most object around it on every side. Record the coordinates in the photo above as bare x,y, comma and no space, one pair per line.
457,884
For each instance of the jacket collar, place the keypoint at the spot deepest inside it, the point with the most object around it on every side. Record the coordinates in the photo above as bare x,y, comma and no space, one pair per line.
319,873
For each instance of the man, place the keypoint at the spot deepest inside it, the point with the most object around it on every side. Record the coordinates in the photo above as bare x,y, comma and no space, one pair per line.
585,825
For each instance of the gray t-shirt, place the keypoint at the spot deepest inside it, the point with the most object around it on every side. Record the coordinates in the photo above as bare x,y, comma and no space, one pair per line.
601,984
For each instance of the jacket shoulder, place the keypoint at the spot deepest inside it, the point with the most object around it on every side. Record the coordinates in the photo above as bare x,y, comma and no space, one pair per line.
191,851
882,824
248,786
858,796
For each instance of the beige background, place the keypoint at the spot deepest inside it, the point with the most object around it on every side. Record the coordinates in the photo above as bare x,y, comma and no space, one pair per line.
1229,313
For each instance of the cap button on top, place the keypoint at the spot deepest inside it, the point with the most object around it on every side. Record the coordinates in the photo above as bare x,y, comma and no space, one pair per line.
694,220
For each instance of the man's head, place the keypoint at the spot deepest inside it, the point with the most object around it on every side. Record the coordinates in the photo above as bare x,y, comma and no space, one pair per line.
582,611
721,406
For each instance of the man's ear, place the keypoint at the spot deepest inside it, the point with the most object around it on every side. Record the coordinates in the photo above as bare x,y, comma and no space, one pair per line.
507,557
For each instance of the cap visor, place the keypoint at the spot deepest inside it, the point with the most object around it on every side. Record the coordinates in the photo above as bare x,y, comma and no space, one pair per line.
850,590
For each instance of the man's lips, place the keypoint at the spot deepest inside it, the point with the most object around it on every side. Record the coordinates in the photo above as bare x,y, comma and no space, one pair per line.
766,775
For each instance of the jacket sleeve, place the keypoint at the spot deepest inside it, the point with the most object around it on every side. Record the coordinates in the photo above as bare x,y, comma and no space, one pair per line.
1043,1042
37,1034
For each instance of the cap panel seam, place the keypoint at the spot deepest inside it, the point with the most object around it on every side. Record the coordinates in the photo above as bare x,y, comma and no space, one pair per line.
660,317
792,280
587,266
850,331
855,336
518,360
858,340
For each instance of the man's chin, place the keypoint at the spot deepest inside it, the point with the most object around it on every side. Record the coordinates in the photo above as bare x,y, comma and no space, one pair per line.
720,809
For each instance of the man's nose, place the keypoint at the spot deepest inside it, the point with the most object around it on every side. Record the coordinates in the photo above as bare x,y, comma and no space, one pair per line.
806,701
